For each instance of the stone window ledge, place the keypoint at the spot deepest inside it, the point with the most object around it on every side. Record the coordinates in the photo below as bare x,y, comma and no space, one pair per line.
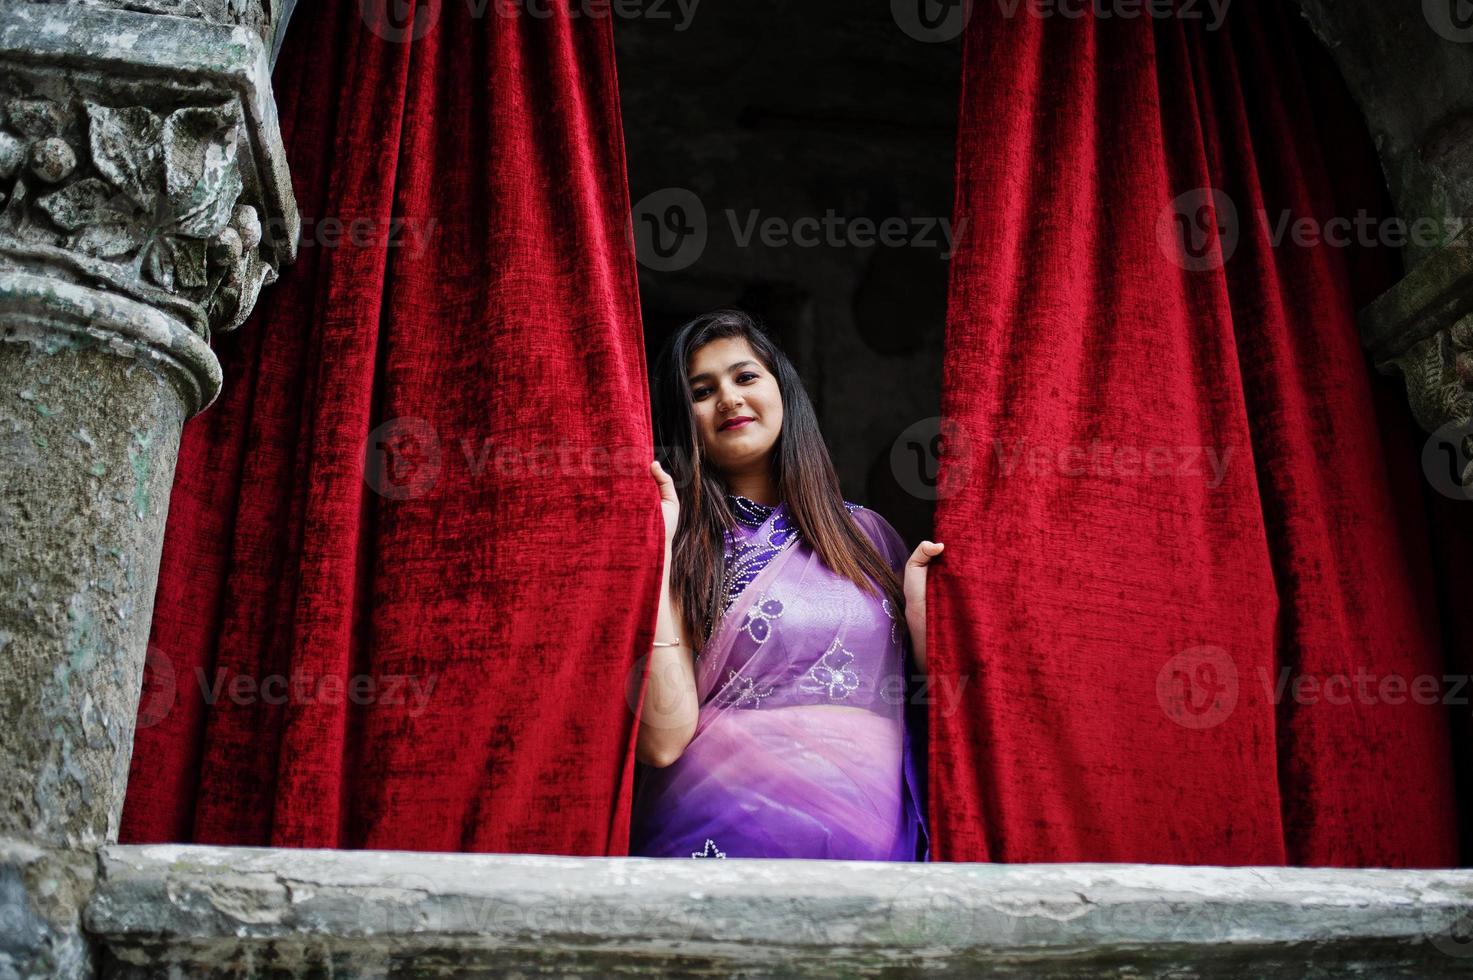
201,911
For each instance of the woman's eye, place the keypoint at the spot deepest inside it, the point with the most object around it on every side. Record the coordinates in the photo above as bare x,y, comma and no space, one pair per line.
746,374
699,393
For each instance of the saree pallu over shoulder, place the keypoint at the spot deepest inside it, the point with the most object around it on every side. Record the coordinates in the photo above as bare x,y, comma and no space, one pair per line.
801,748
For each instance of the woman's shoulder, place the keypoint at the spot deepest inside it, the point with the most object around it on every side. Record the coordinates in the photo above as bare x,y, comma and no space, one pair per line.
884,536
866,515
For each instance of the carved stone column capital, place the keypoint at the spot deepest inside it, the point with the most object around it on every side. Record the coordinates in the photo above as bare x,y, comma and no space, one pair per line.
261,16
140,158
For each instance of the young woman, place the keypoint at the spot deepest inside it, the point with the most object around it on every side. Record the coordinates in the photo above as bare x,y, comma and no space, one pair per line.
774,720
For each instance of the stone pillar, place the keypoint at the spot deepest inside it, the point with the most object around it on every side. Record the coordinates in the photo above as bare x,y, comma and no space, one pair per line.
144,202
1409,65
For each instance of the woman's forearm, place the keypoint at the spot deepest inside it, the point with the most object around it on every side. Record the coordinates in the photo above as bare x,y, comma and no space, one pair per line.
918,642
668,718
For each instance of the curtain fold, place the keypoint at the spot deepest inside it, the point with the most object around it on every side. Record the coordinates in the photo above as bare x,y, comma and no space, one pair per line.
412,550
1187,544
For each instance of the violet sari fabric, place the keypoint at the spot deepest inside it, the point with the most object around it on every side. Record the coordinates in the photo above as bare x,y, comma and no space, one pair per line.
801,749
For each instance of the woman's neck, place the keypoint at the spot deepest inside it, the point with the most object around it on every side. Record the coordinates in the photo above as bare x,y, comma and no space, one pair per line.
758,487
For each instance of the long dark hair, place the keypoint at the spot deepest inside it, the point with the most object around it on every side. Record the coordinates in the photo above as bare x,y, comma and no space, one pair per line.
802,470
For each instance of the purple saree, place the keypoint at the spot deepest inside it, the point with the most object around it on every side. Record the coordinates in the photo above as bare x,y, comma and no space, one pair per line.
801,748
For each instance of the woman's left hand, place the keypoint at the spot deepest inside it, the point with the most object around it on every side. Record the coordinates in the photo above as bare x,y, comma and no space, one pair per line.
915,597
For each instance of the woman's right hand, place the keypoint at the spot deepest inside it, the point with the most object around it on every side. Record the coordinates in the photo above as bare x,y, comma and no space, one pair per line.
669,502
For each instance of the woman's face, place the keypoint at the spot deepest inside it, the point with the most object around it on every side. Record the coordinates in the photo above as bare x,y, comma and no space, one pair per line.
728,383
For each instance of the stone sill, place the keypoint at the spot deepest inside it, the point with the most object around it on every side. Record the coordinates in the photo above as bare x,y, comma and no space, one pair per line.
201,911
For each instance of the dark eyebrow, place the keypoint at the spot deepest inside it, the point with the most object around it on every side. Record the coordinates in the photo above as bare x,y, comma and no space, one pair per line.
706,374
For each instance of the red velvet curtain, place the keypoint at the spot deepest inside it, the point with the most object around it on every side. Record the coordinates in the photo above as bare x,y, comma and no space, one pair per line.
408,558
1163,659
428,652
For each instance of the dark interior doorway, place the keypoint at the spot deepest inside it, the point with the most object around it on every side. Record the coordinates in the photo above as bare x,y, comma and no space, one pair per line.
743,119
